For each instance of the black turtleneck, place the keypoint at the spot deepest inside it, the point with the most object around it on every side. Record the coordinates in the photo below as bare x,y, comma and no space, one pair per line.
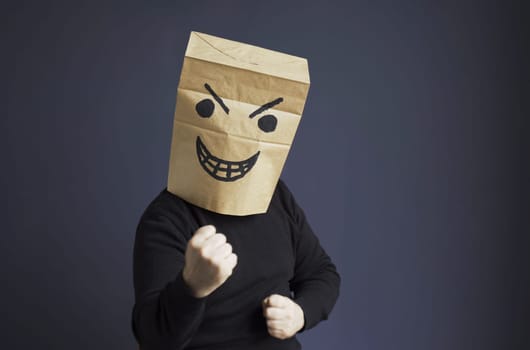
278,253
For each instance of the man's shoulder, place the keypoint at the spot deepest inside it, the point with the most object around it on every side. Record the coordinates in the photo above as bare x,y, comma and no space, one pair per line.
283,197
166,204
167,217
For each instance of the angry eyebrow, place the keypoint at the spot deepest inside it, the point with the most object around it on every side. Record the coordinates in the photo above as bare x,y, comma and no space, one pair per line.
265,107
216,97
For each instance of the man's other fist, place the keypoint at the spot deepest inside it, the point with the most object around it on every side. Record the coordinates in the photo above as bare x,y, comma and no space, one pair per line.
284,316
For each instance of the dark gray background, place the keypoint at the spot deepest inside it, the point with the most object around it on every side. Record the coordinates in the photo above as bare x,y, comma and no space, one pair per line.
409,162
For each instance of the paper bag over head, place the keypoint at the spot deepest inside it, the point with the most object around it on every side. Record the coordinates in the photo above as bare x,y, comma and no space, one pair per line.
237,111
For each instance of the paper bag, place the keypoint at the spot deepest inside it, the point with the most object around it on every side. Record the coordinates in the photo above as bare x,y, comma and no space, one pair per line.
238,107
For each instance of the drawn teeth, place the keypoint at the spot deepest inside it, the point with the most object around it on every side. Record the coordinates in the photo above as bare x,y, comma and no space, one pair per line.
220,169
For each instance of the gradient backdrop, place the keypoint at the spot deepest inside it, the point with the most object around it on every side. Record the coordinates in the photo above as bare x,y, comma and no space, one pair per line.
411,162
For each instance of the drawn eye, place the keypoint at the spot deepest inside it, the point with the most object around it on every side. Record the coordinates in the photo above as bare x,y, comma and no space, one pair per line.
268,123
205,108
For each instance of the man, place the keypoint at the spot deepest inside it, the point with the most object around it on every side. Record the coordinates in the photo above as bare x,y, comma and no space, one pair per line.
224,258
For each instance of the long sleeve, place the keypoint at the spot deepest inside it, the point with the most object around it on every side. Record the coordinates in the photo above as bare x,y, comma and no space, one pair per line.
165,314
316,282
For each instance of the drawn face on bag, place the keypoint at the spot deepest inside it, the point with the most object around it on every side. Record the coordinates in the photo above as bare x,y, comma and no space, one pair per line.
235,120
223,169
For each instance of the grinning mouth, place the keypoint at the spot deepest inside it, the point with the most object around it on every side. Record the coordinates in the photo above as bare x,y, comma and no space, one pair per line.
220,169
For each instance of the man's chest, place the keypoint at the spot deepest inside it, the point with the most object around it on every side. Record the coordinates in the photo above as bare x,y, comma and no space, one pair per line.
263,244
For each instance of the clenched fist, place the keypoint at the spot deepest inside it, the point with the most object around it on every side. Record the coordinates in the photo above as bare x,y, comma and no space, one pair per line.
284,316
209,261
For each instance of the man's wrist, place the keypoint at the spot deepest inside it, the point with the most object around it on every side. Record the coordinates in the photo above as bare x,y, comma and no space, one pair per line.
189,289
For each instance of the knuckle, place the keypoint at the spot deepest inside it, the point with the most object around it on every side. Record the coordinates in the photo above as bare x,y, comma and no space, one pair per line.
205,230
228,273
224,267
203,253
230,261
193,244
214,261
